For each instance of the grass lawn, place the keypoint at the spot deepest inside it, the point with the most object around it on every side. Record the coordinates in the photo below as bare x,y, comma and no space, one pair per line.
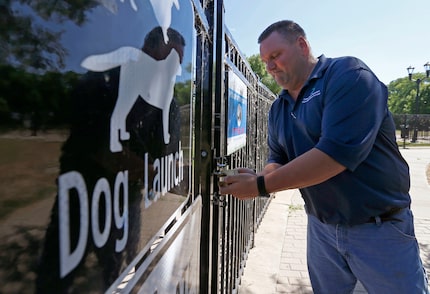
28,169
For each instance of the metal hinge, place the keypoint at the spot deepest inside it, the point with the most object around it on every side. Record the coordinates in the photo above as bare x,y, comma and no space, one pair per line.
219,200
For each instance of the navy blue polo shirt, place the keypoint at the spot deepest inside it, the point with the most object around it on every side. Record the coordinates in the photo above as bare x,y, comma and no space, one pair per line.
342,111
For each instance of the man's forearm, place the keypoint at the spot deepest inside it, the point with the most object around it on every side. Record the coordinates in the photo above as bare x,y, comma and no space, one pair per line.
270,167
311,168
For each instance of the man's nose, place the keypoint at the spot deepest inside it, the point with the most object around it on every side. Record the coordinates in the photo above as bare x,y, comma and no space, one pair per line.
270,65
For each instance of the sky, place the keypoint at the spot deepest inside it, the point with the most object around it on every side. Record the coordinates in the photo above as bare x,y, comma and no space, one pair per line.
388,35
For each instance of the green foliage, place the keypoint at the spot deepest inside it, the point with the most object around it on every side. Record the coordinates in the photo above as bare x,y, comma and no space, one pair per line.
259,68
28,41
183,92
402,95
4,110
45,98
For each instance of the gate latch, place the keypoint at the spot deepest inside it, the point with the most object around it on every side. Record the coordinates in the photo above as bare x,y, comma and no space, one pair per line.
221,167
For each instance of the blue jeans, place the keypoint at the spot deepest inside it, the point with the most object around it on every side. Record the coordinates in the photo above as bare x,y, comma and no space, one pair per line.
383,256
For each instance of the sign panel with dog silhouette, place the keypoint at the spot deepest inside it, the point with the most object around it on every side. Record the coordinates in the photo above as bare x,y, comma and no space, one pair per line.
121,73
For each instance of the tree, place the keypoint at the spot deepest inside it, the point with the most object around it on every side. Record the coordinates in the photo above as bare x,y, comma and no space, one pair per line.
259,68
402,95
28,37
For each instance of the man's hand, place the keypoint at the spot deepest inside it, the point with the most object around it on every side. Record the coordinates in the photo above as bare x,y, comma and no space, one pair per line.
242,186
310,168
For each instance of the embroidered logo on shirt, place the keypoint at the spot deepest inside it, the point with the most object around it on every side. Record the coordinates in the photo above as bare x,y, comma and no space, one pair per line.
312,95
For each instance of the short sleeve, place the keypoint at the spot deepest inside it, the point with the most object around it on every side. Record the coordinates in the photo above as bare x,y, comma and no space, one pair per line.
354,107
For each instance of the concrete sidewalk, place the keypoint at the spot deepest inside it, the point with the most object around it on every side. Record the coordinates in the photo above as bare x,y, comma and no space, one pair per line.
277,263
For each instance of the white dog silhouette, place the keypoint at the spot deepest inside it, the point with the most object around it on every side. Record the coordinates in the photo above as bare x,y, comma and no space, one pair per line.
162,10
140,76
163,14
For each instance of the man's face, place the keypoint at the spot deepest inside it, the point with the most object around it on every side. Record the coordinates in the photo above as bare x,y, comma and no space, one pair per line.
282,58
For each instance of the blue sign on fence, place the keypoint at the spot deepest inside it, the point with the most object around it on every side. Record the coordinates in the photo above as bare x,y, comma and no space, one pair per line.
237,106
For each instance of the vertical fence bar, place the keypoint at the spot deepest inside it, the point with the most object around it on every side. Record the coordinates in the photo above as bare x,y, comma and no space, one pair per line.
218,144
202,173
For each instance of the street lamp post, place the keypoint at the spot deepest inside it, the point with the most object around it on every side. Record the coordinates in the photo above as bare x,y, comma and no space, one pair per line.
410,70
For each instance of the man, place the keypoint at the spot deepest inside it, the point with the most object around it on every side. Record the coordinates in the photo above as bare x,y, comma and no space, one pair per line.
331,135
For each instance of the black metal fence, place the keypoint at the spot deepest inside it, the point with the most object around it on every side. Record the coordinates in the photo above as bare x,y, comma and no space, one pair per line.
233,223
413,127
101,191
238,220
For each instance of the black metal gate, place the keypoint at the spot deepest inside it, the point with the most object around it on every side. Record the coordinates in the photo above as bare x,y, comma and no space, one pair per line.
114,117
229,225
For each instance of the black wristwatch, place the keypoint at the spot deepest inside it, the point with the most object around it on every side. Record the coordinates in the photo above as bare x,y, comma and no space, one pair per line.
261,187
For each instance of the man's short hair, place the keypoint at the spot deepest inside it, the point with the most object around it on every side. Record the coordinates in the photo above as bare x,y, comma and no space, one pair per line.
287,28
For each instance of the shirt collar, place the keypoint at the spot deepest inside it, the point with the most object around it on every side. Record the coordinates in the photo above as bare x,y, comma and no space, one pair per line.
320,67
317,73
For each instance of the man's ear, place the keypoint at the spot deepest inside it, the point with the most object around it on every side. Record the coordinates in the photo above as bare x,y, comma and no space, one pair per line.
304,45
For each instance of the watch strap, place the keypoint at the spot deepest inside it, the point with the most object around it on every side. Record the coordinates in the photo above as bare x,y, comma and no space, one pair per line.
261,186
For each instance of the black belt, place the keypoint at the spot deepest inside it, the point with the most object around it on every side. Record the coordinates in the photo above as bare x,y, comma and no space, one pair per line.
387,216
